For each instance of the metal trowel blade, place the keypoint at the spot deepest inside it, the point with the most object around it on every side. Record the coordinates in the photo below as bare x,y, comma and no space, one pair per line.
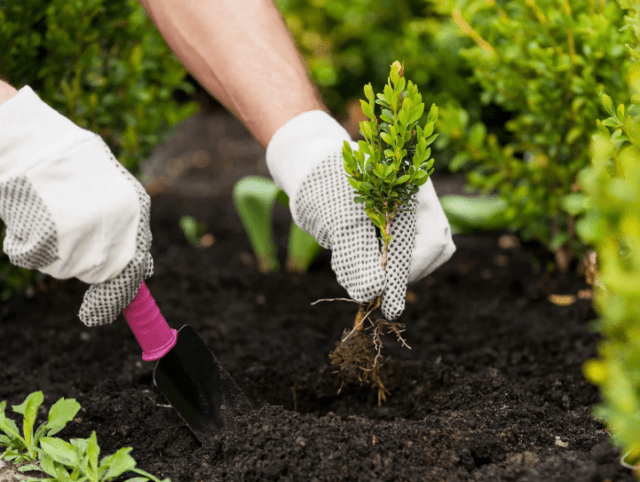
198,387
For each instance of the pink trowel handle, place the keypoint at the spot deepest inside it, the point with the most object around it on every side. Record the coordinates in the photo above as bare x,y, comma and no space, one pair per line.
149,326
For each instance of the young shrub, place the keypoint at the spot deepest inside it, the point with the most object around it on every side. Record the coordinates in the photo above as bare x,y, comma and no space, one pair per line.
254,198
612,226
398,162
542,61
101,63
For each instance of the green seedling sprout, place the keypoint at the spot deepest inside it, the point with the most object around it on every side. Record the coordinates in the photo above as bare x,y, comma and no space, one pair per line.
76,460
398,163
254,198
195,232
22,447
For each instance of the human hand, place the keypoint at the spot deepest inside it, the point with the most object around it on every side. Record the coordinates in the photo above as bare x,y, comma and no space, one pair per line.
70,208
305,160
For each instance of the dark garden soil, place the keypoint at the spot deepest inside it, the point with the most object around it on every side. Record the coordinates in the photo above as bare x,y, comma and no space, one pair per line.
491,389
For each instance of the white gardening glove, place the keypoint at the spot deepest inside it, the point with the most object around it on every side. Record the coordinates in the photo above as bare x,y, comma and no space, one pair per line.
305,160
70,208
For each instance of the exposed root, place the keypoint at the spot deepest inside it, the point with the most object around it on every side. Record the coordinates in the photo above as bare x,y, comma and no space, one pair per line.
358,355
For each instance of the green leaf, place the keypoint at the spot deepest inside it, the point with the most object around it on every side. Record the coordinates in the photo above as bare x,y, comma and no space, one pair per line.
433,114
402,179
61,413
416,113
388,94
29,409
60,451
7,425
367,109
355,184
574,203
46,463
607,103
368,92
118,463
93,452
432,138
387,138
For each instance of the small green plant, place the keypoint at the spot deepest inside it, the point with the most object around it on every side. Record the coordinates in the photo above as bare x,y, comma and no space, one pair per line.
22,447
254,198
193,230
611,224
398,162
61,461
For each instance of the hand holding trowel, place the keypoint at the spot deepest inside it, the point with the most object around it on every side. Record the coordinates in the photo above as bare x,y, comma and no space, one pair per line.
71,210
187,373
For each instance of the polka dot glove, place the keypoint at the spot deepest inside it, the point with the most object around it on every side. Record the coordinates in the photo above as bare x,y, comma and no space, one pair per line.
305,160
70,208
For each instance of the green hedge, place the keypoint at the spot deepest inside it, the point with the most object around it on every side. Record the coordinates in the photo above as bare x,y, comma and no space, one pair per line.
543,62
612,225
103,64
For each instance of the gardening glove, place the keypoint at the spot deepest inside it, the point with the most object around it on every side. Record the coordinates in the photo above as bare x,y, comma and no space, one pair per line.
70,208
305,160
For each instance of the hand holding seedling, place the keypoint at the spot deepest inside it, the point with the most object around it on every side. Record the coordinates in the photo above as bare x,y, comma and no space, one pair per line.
305,158
386,172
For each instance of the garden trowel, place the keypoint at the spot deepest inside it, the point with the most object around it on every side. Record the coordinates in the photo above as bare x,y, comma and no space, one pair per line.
187,373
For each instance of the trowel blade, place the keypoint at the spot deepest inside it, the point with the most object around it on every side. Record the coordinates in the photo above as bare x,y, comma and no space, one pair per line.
198,387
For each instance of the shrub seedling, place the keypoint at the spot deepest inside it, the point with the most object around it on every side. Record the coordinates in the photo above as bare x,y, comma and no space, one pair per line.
398,163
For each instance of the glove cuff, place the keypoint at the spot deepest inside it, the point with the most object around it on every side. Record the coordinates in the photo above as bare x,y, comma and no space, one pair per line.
300,145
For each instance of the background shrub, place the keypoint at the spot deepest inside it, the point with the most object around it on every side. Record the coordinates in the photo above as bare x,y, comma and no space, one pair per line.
103,64
350,43
543,62
612,225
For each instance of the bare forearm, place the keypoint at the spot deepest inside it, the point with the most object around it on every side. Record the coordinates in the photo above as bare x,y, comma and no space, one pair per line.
242,52
6,91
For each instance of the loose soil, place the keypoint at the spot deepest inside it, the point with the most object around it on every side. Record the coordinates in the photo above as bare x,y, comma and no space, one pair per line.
491,390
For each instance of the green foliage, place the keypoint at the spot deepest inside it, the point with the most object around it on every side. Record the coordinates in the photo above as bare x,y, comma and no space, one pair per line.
22,447
612,226
254,198
101,63
61,461
543,61
466,215
192,229
398,161
348,43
